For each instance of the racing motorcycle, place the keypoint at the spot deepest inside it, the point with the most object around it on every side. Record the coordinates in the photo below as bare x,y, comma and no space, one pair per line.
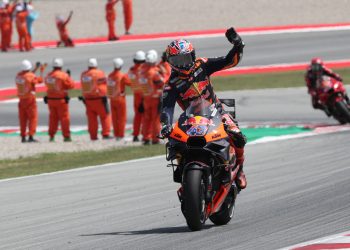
332,94
201,157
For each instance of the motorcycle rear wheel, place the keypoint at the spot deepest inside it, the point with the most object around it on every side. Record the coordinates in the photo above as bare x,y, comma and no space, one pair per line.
194,199
343,110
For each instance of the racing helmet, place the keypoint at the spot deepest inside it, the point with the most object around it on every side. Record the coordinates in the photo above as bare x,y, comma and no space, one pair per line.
316,65
181,56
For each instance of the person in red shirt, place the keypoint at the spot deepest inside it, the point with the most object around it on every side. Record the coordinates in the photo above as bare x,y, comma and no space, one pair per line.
110,18
58,83
27,107
132,80
61,24
116,95
152,83
128,18
6,12
164,67
94,90
21,25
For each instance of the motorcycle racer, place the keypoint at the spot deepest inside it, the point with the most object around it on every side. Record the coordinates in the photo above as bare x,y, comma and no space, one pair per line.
314,73
190,79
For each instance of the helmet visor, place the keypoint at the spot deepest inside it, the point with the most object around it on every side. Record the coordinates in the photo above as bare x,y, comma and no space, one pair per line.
181,60
316,67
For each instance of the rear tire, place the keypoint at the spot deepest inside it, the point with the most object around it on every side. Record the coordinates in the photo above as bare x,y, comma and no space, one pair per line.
225,214
343,110
194,199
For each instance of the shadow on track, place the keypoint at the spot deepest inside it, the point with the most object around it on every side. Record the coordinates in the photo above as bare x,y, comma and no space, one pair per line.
163,230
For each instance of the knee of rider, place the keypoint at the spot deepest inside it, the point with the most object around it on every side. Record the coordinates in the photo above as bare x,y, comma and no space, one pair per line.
239,140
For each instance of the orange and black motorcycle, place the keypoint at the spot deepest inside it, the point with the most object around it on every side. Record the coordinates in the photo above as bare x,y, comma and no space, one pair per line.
203,161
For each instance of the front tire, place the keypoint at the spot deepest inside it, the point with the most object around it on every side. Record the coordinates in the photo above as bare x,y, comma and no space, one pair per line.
343,110
194,199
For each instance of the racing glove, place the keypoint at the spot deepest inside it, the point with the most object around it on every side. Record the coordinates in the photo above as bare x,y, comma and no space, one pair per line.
68,72
234,38
166,130
166,127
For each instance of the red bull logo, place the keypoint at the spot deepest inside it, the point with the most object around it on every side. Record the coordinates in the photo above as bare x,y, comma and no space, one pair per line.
198,120
195,90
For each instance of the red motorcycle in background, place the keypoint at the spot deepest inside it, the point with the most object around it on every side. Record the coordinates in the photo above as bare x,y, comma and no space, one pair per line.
331,93
201,149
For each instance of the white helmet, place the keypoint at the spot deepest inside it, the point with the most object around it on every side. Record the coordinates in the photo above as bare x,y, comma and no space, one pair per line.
140,56
5,2
118,63
151,56
26,65
92,63
57,63
19,8
59,19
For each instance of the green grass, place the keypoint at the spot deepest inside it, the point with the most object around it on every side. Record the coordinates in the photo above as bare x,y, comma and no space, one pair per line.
51,162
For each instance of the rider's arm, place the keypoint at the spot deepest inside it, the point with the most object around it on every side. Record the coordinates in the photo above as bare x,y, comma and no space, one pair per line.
230,60
69,18
330,73
168,102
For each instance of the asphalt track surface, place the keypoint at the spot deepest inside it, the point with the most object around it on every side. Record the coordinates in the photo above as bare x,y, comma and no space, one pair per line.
298,190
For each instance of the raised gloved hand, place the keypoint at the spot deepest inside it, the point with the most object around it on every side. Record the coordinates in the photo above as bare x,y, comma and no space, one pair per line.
234,38
68,72
166,130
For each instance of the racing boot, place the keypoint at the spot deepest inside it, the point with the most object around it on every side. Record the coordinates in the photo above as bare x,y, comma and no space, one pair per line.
23,139
241,180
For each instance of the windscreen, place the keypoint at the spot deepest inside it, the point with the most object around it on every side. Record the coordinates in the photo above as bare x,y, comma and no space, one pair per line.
199,107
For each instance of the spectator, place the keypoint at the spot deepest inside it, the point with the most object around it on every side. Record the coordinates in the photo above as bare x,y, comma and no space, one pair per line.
128,18
61,24
110,18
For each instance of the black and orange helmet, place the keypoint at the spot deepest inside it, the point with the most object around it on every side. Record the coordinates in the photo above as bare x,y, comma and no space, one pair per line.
181,55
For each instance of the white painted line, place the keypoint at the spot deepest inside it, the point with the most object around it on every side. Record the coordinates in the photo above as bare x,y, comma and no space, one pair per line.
337,238
319,131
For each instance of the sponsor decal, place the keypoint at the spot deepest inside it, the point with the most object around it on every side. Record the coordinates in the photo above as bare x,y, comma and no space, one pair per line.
178,135
200,70
216,136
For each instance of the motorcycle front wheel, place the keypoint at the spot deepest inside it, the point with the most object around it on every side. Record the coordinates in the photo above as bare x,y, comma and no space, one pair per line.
194,199
343,110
